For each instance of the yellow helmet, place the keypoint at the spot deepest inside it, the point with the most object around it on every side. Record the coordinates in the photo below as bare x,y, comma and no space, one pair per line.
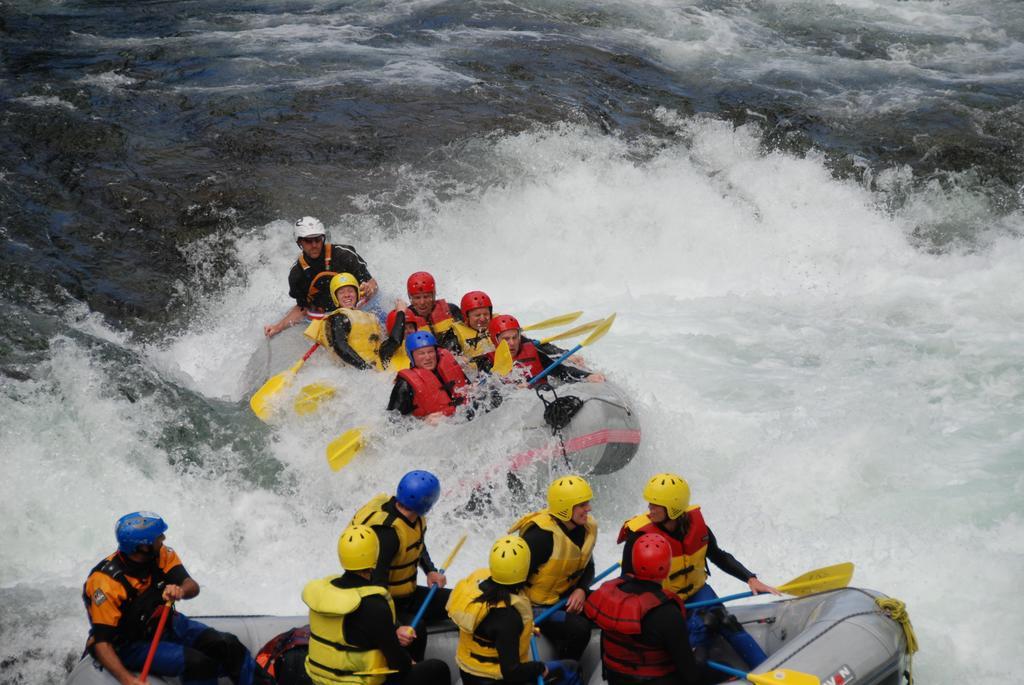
565,493
510,560
340,281
670,491
358,548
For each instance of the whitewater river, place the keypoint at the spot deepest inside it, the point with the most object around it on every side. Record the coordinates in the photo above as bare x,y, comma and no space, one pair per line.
807,215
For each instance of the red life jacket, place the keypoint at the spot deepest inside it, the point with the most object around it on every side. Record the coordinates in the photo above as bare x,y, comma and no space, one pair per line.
275,649
528,358
437,390
688,572
619,616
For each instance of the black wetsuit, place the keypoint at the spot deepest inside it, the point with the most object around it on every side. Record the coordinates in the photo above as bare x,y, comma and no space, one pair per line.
369,627
662,627
406,607
569,632
341,326
503,626
715,554
344,258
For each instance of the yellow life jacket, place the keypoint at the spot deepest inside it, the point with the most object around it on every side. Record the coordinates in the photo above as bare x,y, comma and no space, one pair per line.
472,342
364,336
399,360
332,659
687,572
403,566
474,654
557,575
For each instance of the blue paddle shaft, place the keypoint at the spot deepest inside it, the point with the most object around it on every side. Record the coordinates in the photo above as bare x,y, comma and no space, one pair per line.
536,656
727,669
426,602
553,365
717,600
544,615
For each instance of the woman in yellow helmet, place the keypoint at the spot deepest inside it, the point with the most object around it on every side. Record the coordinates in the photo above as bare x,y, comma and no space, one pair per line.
561,540
354,639
354,335
671,515
495,621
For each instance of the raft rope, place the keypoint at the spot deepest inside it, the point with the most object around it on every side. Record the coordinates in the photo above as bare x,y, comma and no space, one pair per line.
889,607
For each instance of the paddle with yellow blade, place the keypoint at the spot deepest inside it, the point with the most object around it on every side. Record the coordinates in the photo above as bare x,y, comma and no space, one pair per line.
433,588
262,401
554,321
780,676
310,396
578,330
598,333
819,580
347,445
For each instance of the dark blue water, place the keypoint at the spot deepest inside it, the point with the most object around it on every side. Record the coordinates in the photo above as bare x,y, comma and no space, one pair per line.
131,129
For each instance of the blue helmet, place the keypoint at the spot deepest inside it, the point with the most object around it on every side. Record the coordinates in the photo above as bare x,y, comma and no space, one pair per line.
417,340
138,528
418,490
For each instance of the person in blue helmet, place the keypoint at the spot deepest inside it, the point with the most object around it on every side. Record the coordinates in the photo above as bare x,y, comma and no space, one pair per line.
401,526
124,595
434,386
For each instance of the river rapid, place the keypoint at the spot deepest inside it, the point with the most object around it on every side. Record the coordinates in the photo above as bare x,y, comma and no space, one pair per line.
807,215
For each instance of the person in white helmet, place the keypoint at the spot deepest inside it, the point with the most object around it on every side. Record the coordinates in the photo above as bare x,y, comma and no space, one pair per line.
318,262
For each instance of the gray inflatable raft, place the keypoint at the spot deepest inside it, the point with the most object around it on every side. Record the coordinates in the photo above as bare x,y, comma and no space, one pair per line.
592,427
841,637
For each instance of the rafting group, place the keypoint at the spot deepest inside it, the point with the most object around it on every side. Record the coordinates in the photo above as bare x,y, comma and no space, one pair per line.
364,623
433,346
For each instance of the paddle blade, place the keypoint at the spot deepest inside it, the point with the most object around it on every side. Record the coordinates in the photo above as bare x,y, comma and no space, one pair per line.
309,398
577,330
262,402
502,359
783,676
599,331
820,580
554,321
343,448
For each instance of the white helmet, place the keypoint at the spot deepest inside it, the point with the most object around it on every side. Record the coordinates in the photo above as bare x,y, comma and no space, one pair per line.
309,226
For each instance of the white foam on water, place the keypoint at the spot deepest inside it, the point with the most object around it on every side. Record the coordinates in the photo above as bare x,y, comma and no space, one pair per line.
831,392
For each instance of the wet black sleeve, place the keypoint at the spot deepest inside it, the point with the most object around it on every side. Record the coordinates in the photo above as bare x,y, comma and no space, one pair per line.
345,258
665,626
503,627
426,563
176,575
563,372
340,328
401,398
102,633
376,623
483,363
541,544
456,312
298,285
726,561
586,579
627,552
388,539
450,341
396,336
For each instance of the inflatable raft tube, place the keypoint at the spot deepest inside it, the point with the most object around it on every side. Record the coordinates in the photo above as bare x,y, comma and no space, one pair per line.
842,637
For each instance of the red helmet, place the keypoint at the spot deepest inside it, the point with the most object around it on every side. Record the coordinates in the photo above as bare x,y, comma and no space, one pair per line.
420,282
410,317
474,299
652,557
500,324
